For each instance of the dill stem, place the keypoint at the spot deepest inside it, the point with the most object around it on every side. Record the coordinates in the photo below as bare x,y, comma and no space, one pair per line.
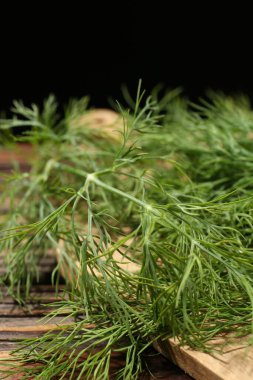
158,214
92,177
148,207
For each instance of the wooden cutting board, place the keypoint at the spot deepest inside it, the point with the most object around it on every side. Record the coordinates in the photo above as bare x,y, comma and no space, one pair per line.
236,363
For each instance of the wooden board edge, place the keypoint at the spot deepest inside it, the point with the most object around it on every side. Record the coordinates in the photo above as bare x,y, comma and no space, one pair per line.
236,363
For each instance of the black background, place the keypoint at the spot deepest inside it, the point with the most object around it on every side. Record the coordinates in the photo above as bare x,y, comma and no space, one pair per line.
74,50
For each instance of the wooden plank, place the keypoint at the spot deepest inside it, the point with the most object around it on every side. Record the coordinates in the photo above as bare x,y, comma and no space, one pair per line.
6,310
15,328
39,298
23,154
37,290
17,324
156,367
39,294
236,362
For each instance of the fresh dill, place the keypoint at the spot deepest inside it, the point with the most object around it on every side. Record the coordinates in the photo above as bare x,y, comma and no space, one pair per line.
168,187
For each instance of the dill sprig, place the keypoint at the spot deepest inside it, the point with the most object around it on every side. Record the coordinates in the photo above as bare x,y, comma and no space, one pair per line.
168,190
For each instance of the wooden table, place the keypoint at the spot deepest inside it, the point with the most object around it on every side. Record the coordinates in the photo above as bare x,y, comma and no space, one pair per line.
18,322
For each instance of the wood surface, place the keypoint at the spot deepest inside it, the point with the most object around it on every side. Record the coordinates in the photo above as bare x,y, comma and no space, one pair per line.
235,363
17,323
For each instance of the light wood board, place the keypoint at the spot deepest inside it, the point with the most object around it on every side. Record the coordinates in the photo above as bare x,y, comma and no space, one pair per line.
235,363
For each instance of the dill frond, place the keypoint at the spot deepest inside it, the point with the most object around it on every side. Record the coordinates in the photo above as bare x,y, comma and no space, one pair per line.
170,195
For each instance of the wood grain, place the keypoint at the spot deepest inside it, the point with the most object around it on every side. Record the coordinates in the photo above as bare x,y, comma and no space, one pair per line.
235,363
27,324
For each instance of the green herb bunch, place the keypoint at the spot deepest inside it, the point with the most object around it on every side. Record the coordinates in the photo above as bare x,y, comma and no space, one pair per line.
171,194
